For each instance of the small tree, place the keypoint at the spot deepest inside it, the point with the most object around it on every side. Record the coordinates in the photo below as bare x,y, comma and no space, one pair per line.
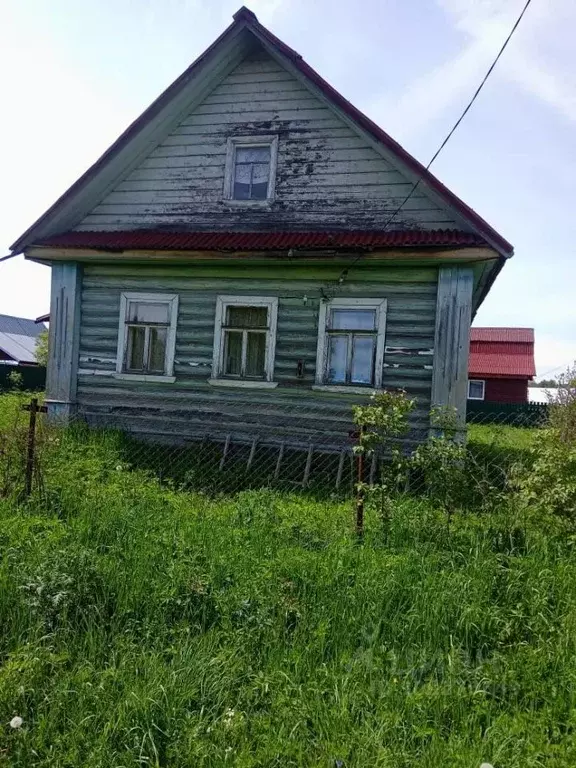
380,423
42,348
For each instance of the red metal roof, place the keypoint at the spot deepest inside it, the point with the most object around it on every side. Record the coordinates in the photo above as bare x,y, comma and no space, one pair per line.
501,352
149,239
246,18
513,335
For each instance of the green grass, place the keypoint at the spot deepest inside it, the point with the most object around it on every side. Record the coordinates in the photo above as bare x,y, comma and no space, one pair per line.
519,438
147,626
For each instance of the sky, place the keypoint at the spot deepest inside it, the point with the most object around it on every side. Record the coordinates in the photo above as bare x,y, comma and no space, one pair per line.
74,75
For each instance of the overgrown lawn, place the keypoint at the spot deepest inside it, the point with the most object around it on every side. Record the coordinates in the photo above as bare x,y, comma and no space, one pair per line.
146,626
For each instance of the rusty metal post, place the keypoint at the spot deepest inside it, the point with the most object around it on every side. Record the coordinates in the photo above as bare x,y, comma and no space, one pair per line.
33,409
360,488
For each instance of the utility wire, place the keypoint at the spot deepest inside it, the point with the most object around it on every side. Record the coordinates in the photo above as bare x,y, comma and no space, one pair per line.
345,271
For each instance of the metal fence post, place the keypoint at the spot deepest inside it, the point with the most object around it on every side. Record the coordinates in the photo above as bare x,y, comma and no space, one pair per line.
360,488
33,408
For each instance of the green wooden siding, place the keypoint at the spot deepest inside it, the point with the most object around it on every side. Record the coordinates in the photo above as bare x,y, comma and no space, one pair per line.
191,408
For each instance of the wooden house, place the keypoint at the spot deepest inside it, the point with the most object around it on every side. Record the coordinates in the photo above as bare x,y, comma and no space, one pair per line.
252,256
501,364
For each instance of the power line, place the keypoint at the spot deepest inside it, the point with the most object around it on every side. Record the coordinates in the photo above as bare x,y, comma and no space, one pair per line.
449,135
558,367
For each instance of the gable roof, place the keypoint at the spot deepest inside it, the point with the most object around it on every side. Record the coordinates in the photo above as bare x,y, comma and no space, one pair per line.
129,147
18,337
502,352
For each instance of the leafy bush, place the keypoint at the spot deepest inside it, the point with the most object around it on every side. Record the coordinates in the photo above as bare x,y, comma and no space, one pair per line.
548,485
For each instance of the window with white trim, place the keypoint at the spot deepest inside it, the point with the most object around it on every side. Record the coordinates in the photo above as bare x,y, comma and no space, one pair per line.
245,338
476,389
147,334
250,168
351,336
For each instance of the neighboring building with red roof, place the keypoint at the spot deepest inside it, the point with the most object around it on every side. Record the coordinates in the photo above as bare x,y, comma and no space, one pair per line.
252,257
501,364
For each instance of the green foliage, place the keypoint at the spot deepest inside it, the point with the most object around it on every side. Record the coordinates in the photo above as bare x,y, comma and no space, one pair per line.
443,462
547,486
42,348
382,420
15,380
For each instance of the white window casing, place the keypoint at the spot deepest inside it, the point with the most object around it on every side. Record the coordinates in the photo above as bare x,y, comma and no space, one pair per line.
247,142
379,306
147,321
242,379
476,389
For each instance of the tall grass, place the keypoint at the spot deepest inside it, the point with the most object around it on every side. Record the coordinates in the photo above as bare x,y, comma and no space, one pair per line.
147,626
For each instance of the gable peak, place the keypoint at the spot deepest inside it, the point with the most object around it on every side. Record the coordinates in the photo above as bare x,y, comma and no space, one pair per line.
245,14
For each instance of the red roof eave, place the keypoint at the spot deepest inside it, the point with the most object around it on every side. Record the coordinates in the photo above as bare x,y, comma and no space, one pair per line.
258,241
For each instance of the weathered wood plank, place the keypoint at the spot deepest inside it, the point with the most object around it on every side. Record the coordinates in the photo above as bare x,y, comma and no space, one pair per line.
63,347
452,339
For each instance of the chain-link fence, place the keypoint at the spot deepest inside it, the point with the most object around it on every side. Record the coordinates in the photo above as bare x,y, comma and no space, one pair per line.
304,461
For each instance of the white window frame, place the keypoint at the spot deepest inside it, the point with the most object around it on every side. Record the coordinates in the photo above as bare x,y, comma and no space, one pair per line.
381,306
477,381
249,141
171,299
222,302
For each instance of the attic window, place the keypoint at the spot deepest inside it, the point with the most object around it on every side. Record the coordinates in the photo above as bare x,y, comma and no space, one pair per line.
250,169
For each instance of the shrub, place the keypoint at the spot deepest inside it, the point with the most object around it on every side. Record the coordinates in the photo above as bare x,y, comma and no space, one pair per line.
549,485
381,422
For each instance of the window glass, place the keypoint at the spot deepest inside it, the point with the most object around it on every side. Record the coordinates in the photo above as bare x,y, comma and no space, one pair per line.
362,363
157,349
252,154
143,312
337,359
232,353
251,173
255,354
476,390
247,317
353,319
136,344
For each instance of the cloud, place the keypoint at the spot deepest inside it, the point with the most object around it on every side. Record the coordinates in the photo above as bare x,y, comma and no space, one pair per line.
538,59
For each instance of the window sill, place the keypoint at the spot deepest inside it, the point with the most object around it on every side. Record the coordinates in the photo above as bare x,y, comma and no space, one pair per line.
144,377
344,390
243,383
249,203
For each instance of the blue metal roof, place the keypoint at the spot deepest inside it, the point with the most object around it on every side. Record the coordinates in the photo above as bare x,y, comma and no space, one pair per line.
18,337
